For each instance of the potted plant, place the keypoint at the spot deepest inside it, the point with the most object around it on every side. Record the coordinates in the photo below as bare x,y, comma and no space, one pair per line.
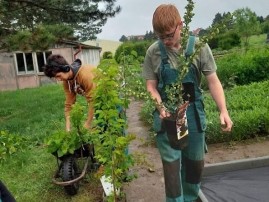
176,91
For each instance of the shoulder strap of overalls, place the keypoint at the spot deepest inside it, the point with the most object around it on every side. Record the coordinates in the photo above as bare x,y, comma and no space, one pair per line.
164,55
164,58
188,52
190,46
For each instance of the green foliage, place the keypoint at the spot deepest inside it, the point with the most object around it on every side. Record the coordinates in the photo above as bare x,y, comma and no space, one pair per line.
109,134
265,26
41,38
126,48
19,41
150,36
248,106
220,18
146,112
83,17
256,71
11,144
225,41
63,142
246,24
123,38
257,40
42,119
174,91
131,71
107,55
240,69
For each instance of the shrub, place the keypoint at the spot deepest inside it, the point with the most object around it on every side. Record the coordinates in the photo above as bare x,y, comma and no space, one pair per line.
229,40
243,68
10,144
257,70
126,49
248,106
107,55
225,41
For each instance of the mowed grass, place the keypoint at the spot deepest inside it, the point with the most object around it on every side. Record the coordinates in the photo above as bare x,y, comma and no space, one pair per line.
32,112
36,113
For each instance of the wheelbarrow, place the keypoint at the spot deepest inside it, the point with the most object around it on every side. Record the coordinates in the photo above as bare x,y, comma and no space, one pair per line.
70,172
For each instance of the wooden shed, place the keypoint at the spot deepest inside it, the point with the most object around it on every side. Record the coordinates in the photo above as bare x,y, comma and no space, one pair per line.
19,70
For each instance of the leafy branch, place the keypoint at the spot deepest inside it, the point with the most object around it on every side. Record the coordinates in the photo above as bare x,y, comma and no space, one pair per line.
62,142
109,126
174,91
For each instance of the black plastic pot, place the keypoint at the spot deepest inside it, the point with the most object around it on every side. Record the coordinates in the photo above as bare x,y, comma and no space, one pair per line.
171,129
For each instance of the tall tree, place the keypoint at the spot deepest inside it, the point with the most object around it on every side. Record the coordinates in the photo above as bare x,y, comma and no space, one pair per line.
246,24
223,18
85,17
217,19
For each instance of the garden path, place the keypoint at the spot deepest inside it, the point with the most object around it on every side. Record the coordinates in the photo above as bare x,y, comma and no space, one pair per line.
149,186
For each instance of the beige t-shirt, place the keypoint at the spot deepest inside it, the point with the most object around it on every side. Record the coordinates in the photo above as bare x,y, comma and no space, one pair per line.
204,61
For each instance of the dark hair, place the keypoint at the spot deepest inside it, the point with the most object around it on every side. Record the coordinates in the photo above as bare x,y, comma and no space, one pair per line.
55,64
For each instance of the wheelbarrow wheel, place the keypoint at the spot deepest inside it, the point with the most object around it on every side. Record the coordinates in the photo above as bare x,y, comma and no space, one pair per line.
70,172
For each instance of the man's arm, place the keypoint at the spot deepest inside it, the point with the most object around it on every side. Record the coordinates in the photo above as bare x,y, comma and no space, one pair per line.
152,89
217,94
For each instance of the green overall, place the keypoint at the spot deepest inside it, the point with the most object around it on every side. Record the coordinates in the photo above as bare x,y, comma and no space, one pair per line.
182,168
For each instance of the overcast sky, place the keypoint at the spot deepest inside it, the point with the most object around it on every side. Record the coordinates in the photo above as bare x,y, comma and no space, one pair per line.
136,15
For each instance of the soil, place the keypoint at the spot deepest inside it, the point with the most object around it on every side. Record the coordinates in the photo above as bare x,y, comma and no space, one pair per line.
149,184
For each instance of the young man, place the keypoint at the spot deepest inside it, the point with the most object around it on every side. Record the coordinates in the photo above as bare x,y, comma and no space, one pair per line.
76,78
183,167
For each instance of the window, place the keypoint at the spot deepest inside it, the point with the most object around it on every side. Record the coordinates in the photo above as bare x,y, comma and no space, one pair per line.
24,62
41,58
20,62
31,62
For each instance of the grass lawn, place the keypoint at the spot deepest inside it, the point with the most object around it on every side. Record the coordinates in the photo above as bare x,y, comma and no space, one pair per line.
36,113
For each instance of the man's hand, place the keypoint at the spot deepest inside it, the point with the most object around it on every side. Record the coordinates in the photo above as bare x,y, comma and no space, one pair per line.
164,113
226,122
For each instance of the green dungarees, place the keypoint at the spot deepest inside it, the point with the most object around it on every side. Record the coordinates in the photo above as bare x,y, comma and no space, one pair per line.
182,168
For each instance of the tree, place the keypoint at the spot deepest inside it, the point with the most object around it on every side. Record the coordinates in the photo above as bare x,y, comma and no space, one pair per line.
265,27
123,38
150,36
260,19
217,19
220,18
246,24
86,18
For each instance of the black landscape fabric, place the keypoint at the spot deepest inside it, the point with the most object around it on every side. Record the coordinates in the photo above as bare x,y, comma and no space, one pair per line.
251,185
